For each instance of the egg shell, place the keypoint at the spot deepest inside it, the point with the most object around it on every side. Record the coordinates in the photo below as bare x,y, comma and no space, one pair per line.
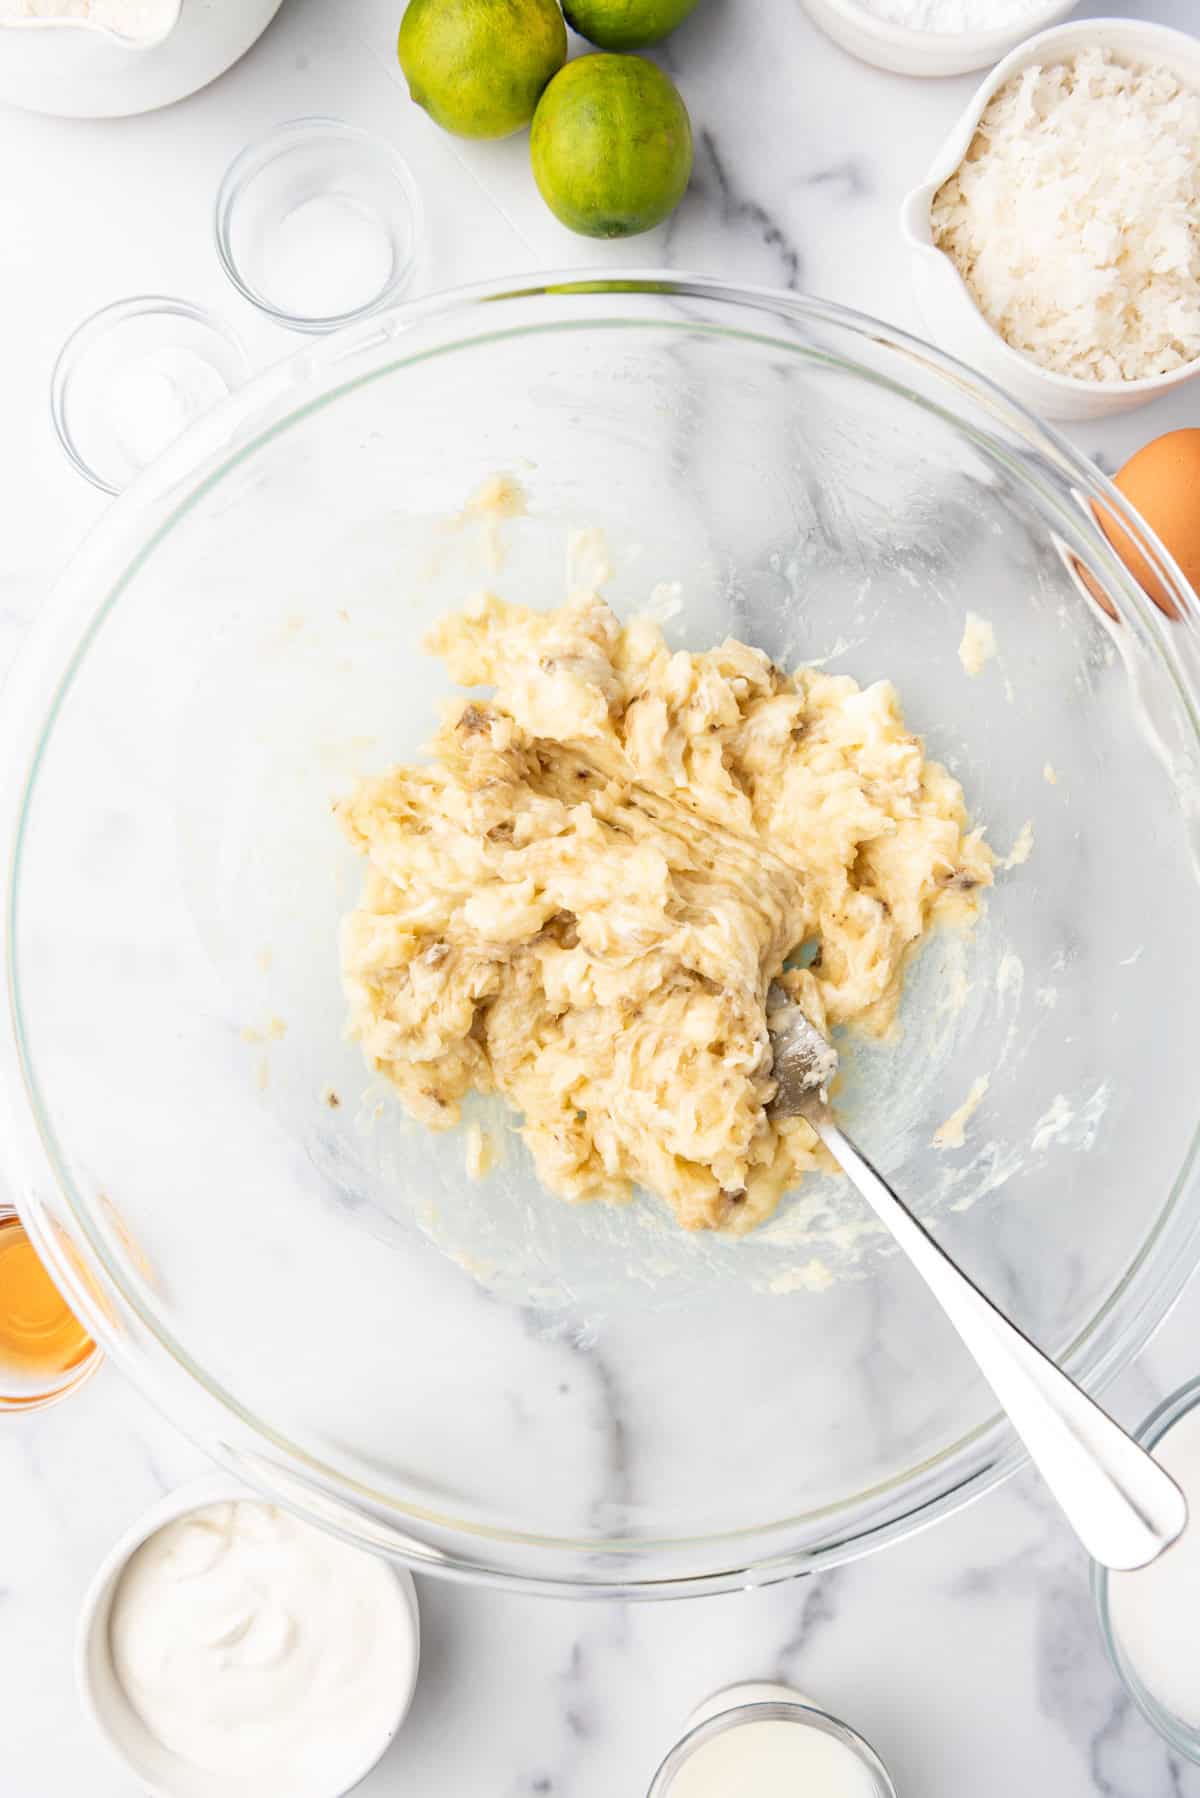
1162,483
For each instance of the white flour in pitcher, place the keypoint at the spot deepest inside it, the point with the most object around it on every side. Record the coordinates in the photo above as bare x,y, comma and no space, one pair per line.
135,19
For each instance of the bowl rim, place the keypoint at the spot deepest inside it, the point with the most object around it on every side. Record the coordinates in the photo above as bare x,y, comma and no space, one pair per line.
916,225
54,650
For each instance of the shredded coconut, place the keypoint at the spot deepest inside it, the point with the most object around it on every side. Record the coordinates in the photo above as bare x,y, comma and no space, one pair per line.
1075,217
947,16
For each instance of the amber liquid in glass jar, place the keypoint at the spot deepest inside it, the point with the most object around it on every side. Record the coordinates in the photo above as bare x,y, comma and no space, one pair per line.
40,1339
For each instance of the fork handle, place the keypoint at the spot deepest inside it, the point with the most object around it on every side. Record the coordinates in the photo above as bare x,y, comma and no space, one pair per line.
1121,1504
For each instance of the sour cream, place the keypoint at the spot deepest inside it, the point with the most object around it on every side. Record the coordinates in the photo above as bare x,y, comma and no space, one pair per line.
253,1646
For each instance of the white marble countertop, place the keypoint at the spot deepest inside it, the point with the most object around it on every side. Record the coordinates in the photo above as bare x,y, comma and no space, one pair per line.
969,1655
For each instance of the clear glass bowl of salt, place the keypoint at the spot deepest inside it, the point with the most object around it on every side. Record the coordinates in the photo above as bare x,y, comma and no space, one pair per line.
319,224
1150,1619
131,378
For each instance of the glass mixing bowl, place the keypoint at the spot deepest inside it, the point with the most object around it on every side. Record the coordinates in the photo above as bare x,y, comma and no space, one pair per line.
471,1373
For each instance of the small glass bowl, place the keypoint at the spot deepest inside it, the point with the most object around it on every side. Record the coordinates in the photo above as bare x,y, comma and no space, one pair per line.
804,1716
25,1385
132,377
319,224
1183,1737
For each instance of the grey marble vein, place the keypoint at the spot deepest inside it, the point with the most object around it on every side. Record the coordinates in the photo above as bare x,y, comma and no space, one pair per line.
714,190
817,1607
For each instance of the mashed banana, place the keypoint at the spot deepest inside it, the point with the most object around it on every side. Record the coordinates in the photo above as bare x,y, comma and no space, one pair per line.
580,901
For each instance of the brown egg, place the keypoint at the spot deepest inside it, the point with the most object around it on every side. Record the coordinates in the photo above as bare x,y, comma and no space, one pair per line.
1162,483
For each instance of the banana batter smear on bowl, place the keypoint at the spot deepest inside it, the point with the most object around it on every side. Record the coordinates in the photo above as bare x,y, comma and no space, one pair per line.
580,899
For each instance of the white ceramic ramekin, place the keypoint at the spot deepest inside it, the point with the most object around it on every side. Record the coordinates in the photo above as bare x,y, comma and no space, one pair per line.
160,1773
908,52
954,321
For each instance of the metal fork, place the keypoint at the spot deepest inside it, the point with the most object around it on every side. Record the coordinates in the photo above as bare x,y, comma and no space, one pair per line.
1121,1504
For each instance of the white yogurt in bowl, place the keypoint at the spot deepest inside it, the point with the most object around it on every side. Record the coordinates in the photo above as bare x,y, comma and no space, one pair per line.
228,1649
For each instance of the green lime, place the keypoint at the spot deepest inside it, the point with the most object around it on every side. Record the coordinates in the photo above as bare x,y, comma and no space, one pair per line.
478,67
611,146
626,24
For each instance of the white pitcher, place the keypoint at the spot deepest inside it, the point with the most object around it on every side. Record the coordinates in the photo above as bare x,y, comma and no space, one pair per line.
80,67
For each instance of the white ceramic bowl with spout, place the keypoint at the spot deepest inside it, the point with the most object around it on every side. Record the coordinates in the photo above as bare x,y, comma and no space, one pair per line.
951,314
78,69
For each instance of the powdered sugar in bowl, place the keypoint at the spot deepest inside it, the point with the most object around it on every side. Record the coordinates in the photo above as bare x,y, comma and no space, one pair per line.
933,37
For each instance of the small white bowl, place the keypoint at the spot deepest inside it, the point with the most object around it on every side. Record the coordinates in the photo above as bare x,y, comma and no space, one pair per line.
954,321
907,52
158,1771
